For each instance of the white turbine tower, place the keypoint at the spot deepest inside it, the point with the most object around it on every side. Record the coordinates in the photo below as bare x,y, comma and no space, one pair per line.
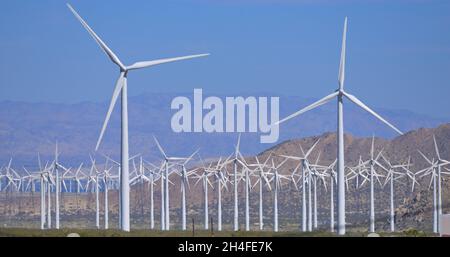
93,178
306,180
236,160
221,181
49,183
373,174
393,176
246,177
340,93
155,174
56,169
262,178
204,178
165,184
435,171
440,163
43,172
332,182
121,88
153,177
276,177
57,189
107,177
184,174
315,175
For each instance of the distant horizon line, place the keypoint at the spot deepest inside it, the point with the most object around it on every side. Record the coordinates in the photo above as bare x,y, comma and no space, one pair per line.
209,93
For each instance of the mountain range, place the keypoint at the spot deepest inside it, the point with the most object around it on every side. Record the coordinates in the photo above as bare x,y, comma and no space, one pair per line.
27,129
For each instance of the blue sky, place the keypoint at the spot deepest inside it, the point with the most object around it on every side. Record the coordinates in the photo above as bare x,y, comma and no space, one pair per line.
398,51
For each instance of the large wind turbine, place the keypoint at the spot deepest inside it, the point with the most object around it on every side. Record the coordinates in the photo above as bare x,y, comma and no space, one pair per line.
121,88
340,93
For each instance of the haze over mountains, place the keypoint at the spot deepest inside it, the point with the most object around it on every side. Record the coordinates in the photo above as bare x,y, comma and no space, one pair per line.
413,209
29,128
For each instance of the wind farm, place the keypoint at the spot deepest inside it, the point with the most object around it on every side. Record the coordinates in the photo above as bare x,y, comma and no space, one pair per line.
202,192
327,184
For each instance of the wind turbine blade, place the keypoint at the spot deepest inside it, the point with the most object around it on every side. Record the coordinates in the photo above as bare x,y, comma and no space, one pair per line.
318,157
318,103
436,148
9,164
312,148
291,157
102,44
301,149
117,90
341,76
56,153
39,162
237,145
190,157
144,64
268,157
363,106
372,147
423,155
281,163
159,147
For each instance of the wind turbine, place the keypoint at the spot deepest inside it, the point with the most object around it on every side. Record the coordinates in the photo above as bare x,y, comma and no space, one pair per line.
316,175
48,182
155,174
184,174
440,163
306,174
43,173
392,176
332,182
340,94
246,177
153,177
372,173
220,181
204,177
162,193
11,176
93,178
138,176
262,178
121,88
236,160
56,167
434,170
165,181
107,177
277,185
